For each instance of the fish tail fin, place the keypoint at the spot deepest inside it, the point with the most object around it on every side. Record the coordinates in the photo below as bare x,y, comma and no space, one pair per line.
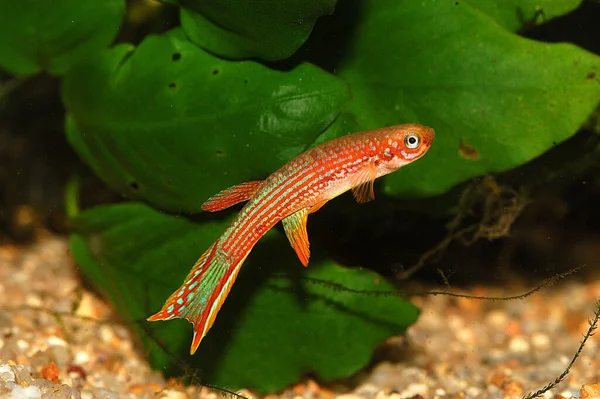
202,293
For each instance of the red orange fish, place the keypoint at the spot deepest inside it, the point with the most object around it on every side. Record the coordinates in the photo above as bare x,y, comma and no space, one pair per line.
289,195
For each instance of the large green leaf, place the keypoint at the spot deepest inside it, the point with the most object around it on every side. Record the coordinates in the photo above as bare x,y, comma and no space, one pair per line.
172,125
269,29
513,15
496,100
53,35
274,327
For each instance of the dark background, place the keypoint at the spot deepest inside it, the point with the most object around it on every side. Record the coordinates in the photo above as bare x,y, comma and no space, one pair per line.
540,219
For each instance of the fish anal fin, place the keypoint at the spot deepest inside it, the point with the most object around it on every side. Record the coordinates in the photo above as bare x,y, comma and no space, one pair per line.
363,190
295,230
231,196
317,206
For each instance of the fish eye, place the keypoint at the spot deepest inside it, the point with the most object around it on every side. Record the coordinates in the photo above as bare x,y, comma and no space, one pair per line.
412,140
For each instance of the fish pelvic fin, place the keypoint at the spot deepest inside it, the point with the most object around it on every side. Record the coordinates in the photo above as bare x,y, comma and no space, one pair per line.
202,293
231,196
294,226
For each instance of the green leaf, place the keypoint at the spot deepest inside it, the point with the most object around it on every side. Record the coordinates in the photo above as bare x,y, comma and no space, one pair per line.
269,29
275,326
53,35
172,125
513,15
496,100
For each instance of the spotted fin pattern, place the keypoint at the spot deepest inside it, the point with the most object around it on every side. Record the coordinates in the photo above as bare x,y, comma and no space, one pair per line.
202,294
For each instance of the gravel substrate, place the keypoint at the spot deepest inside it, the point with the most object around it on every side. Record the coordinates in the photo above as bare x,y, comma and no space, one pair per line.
458,349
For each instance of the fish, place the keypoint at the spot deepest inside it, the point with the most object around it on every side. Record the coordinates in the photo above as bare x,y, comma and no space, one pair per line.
300,187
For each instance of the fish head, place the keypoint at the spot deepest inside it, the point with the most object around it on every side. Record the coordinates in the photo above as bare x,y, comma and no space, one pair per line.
405,144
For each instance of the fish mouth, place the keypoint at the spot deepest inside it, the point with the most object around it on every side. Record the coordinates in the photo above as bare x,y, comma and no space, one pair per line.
428,136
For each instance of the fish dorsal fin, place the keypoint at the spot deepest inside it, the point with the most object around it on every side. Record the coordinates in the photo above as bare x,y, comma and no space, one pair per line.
231,196
363,189
295,230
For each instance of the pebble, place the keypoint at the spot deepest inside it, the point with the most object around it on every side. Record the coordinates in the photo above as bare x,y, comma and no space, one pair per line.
29,392
540,342
512,389
50,372
6,372
519,345
497,320
367,389
173,394
589,391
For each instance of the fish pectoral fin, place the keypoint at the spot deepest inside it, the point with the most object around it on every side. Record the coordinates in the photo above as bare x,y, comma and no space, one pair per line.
295,230
363,190
231,196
